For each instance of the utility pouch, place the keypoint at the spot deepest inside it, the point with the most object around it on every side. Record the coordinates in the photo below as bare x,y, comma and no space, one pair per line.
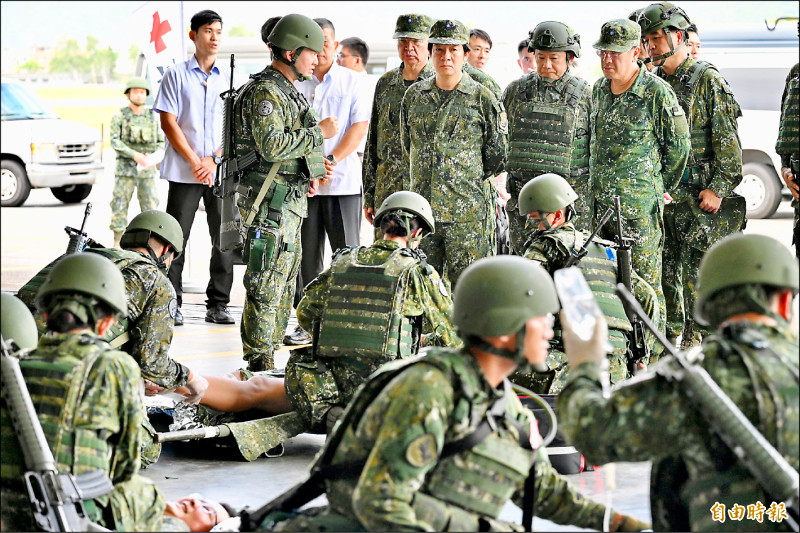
263,246
698,175
315,160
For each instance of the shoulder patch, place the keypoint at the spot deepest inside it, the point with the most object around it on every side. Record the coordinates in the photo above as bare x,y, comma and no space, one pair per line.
502,123
421,451
265,108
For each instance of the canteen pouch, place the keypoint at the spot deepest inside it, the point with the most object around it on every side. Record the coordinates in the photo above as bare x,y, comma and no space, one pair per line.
263,246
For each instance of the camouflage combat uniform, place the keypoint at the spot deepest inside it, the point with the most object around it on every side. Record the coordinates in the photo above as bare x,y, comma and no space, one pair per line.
383,172
132,133
715,163
275,120
651,419
88,399
552,249
398,423
405,306
788,145
640,144
454,142
548,124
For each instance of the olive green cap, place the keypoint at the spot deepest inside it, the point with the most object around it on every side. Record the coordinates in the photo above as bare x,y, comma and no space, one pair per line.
294,31
17,322
662,15
619,35
137,83
546,193
407,202
447,31
89,274
413,26
496,295
552,36
741,259
156,222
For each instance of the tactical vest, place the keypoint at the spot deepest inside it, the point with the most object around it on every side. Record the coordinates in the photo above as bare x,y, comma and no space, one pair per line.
363,322
144,129
480,479
56,388
789,131
542,137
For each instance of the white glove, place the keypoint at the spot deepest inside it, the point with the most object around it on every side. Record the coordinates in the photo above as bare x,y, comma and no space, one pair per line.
579,351
197,388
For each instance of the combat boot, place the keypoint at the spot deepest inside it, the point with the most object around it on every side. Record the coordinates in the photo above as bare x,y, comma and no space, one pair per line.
117,238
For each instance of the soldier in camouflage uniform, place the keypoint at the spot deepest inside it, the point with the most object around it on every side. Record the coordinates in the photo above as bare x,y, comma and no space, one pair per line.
454,134
87,397
788,145
640,144
383,171
548,116
135,134
548,202
276,121
704,207
752,356
405,436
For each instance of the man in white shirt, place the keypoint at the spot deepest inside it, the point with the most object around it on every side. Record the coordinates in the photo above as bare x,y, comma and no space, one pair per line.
354,54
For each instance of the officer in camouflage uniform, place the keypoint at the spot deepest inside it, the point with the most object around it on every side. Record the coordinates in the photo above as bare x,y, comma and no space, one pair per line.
788,145
640,143
752,356
548,121
548,201
373,305
135,134
454,134
401,436
383,171
88,399
276,121
704,207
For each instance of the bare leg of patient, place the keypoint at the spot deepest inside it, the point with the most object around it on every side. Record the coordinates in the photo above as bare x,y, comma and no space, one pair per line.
259,392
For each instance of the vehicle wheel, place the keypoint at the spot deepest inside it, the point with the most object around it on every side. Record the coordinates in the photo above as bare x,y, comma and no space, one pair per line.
71,194
14,184
761,190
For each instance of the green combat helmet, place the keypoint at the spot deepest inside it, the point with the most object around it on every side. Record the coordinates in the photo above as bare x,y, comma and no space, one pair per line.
412,26
17,323
449,32
293,33
759,260
158,223
137,83
663,15
408,205
496,296
554,36
77,282
619,35
546,194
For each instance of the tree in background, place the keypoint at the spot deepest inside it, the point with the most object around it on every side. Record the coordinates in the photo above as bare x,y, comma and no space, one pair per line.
92,63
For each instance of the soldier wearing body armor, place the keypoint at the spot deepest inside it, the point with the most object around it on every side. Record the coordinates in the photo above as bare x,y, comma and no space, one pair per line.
409,463
274,120
752,357
548,116
704,207
788,145
87,398
548,203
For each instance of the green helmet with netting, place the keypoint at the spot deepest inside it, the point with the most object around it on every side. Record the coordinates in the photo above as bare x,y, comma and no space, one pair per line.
496,296
293,33
554,36
17,323
663,16
85,278
408,205
137,83
449,32
546,194
739,260
413,26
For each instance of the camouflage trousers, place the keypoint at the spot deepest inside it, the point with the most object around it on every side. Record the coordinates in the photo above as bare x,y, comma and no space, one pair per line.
457,245
121,199
796,233
269,296
311,388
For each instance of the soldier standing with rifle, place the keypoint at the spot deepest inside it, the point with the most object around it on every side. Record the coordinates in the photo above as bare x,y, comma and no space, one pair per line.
708,460
788,145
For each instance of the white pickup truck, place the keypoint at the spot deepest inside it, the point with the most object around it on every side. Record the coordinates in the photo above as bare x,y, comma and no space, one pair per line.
39,150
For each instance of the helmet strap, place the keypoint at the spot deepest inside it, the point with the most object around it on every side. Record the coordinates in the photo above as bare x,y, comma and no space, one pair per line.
517,355
282,59
161,261
671,52
80,306
543,219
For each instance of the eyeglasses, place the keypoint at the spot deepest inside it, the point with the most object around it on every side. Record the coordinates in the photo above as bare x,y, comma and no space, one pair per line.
341,56
603,53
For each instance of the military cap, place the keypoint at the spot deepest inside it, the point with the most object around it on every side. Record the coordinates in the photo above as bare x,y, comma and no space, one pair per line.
412,26
619,35
449,32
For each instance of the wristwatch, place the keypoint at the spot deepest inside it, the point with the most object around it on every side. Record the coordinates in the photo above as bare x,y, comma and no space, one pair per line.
332,159
217,160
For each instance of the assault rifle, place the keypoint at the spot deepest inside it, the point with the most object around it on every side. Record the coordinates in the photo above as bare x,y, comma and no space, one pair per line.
56,499
775,475
78,238
579,254
636,343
